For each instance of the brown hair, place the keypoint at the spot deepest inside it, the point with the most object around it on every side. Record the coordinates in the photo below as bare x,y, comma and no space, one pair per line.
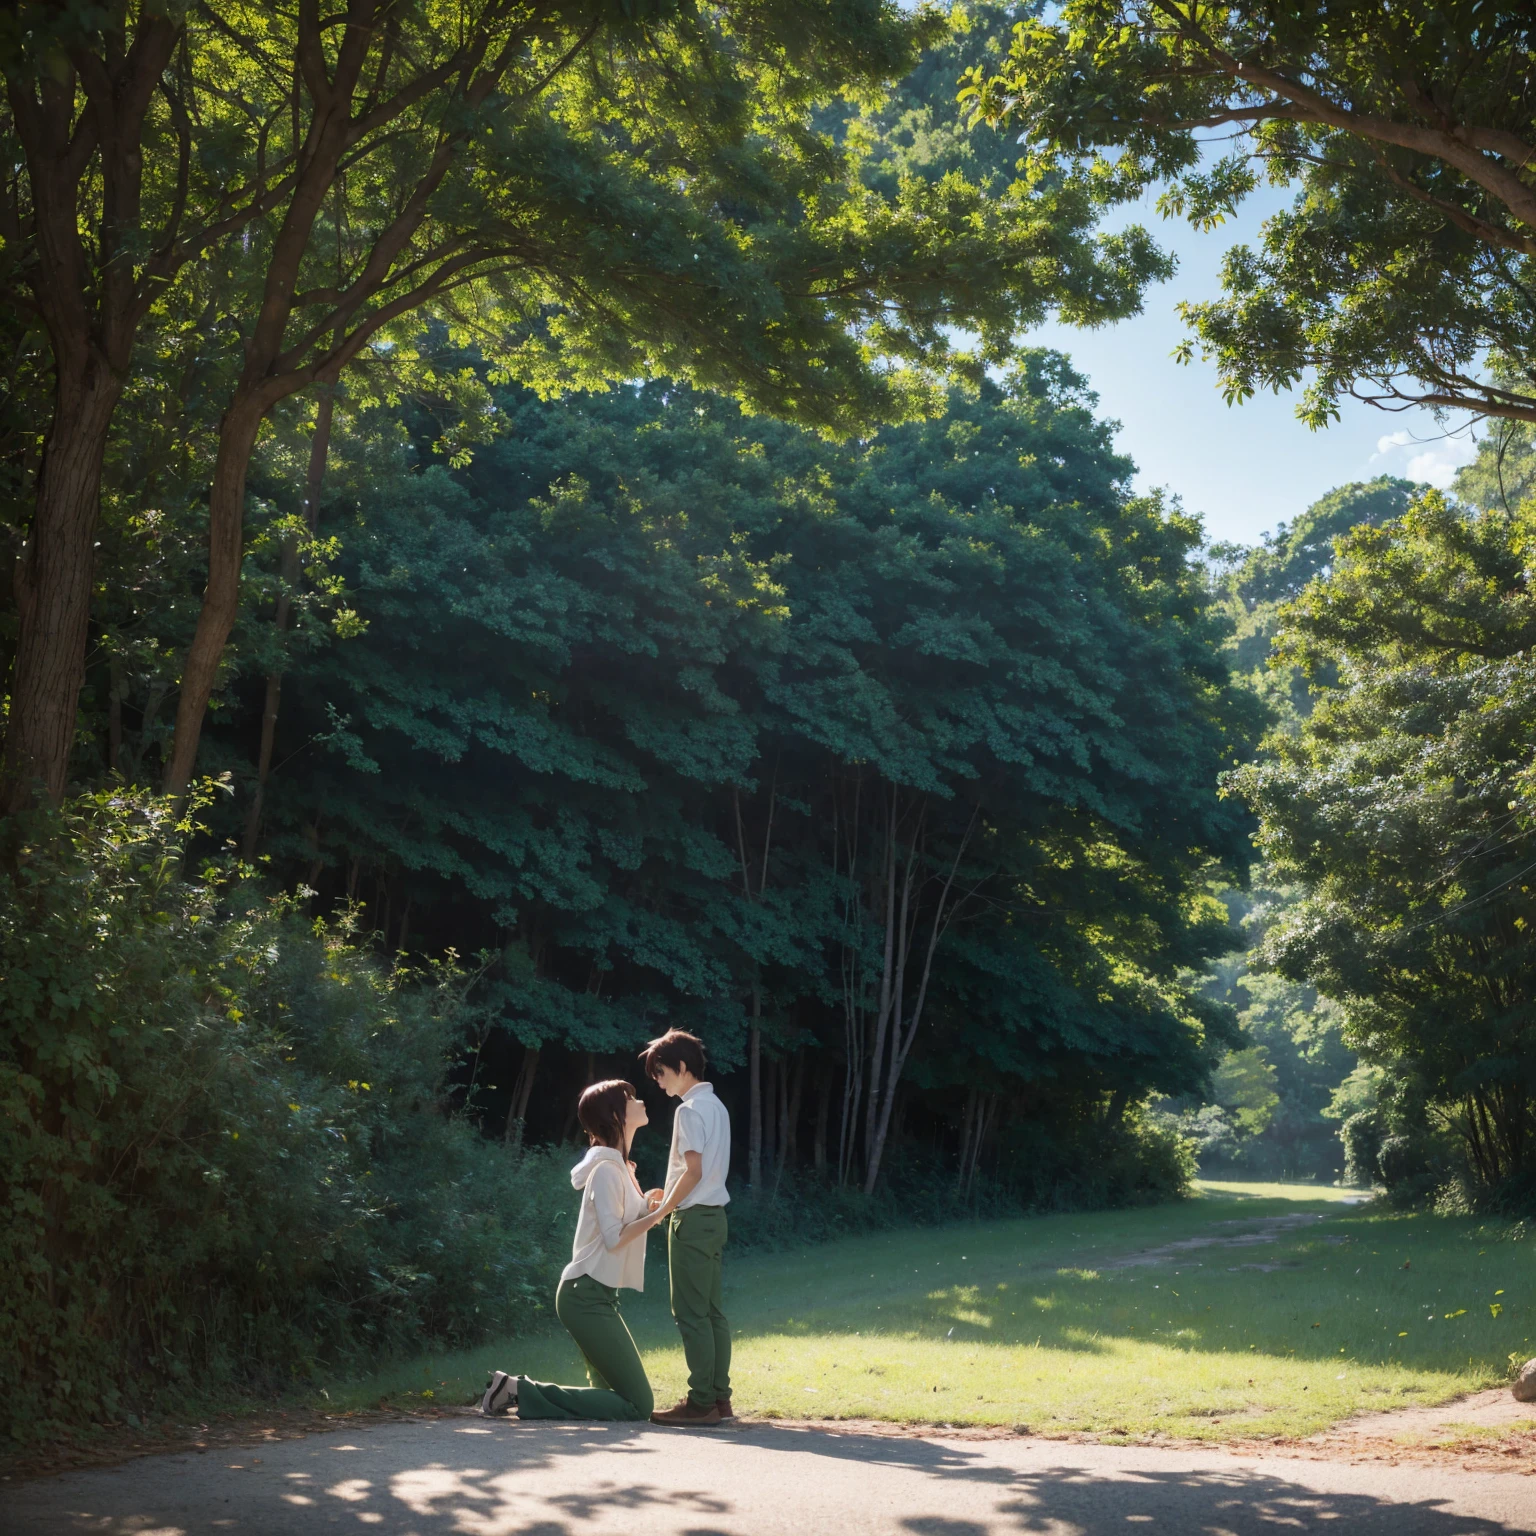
676,1049
602,1109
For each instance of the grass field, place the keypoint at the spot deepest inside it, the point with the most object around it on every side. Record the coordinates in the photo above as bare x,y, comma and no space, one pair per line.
1289,1309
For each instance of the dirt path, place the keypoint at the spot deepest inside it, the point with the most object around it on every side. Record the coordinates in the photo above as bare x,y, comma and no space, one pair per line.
1256,1234
459,1476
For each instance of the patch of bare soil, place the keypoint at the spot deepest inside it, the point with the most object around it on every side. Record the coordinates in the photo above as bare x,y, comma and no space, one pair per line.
1255,1236
1485,1431
1480,1433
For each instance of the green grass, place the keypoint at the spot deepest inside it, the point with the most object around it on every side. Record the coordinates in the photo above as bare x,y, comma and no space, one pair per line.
1040,1322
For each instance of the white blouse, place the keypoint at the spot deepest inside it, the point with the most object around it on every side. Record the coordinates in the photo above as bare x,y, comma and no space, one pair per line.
610,1200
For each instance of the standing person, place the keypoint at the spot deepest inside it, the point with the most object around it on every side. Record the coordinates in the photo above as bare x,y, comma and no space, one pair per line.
695,1198
607,1255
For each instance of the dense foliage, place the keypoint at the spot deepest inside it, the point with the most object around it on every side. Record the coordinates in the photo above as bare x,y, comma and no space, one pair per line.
1400,275
1255,584
1401,272
1273,1106
1400,805
277,198
223,1157
657,708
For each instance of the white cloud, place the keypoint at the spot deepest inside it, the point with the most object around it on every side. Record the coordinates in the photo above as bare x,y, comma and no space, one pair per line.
1436,464
1437,468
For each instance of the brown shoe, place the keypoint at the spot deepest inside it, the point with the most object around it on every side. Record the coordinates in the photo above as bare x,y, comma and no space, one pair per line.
723,1408
686,1416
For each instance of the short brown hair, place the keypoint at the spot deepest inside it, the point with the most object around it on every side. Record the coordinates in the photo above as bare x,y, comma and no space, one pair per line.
602,1109
676,1049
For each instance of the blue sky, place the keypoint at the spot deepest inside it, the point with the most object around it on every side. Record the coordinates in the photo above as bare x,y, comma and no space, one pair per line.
1243,468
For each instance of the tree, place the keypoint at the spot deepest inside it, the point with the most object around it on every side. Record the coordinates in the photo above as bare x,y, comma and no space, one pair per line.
1244,1085
679,715
995,755
1399,275
589,195
1296,553
92,228
1400,807
1299,1031
1255,584
1503,475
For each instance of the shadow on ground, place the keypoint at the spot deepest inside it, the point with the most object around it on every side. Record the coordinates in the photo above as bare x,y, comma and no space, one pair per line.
582,1480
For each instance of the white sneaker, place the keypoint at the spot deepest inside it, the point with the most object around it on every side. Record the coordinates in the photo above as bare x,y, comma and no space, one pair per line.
501,1396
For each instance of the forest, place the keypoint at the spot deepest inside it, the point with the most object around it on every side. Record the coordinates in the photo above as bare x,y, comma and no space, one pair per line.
536,530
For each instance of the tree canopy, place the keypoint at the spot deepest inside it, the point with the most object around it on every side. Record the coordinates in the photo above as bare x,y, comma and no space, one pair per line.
1400,273
276,196
1400,806
656,704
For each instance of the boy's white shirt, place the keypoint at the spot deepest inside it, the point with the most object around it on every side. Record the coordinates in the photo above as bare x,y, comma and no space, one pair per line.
703,1125
610,1200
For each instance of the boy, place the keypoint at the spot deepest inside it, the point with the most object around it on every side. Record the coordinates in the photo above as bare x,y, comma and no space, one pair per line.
695,1199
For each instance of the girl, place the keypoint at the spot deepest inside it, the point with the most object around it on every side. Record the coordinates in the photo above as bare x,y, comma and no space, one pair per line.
607,1255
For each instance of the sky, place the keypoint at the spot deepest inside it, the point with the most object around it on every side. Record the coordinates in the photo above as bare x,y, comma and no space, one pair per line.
1242,468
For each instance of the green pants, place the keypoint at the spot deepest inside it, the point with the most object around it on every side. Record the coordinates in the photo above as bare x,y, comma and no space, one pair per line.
695,1240
619,1390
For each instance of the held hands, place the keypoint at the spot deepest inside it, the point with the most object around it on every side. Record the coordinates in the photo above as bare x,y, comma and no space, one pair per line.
653,1198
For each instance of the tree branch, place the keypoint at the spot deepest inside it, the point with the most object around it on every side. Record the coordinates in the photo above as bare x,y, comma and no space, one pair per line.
1458,147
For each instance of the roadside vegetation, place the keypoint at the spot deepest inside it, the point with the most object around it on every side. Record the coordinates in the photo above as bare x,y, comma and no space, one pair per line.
510,555
1087,1323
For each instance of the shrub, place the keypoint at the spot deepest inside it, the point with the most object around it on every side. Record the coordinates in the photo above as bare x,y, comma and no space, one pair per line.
1361,1135
1039,1169
224,1154
1081,1163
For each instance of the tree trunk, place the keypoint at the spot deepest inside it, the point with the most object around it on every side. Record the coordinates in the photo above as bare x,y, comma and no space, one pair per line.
819,1135
890,968
53,584
319,450
81,270
790,1137
905,1019
847,1131
221,599
986,1113
755,1096
1114,1111
522,1091
967,1129
770,1114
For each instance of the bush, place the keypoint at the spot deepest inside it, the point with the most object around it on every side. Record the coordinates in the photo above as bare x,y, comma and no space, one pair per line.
225,1157
796,1208
1361,1135
1039,1168
1083,1164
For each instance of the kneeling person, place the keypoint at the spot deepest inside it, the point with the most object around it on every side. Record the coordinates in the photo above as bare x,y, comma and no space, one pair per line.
695,1198
607,1255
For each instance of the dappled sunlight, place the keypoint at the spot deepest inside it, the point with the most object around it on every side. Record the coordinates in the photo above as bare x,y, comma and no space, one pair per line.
1255,1325
452,1478
1256,1309
1302,1194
